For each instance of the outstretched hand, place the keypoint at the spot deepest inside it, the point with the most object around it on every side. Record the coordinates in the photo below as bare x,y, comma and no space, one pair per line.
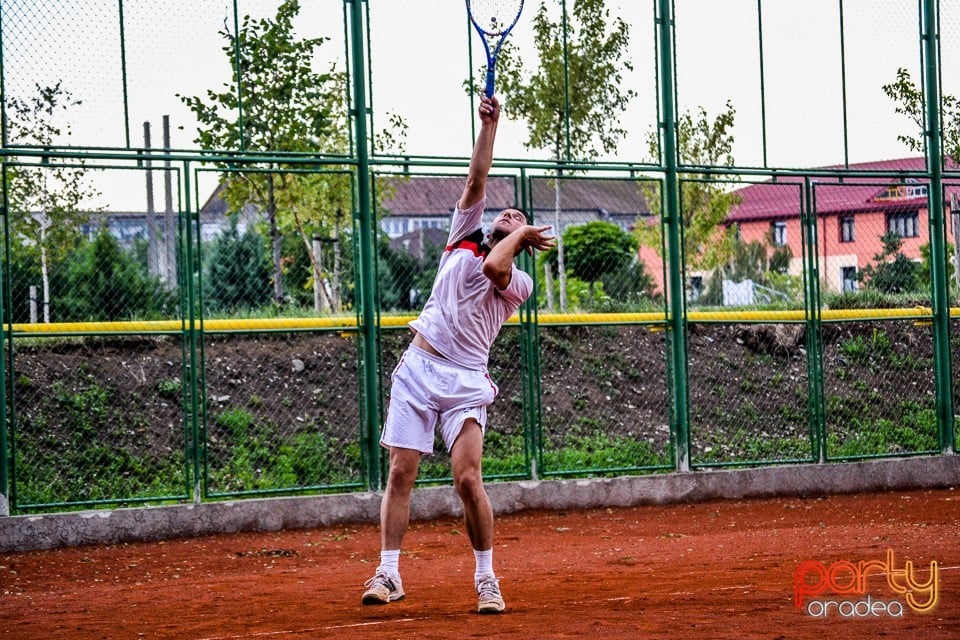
498,265
536,238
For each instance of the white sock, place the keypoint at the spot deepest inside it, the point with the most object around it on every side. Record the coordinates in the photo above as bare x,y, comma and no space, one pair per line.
390,561
484,563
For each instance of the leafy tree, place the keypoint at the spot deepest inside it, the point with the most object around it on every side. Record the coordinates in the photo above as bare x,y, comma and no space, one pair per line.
925,266
748,261
104,282
286,107
780,259
237,271
755,261
571,100
427,273
24,271
45,201
598,247
892,271
704,202
601,252
404,281
397,271
316,206
911,103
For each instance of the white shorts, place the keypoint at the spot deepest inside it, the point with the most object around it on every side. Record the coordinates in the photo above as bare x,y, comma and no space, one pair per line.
428,389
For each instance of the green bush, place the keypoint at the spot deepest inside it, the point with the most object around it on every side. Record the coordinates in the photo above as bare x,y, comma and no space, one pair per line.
236,271
897,275
102,281
868,299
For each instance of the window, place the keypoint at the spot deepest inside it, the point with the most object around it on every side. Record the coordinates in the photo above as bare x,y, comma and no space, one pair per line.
847,233
394,226
779,231
848,275
904,191
904,225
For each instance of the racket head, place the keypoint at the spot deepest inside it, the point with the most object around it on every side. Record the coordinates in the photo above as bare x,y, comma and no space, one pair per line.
494,18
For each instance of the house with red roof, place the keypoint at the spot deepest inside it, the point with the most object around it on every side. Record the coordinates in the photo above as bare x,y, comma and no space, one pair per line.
852,214
426,201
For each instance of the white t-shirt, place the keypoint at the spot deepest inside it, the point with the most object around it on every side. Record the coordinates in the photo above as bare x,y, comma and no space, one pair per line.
465,310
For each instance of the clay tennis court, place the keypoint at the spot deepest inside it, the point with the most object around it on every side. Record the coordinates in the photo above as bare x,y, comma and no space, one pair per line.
720,569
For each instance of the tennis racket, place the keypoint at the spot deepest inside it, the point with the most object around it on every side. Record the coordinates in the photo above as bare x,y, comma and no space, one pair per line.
493,20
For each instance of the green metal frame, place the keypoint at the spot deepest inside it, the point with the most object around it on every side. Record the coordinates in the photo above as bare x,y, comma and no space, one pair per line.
937,220
814,333
364,164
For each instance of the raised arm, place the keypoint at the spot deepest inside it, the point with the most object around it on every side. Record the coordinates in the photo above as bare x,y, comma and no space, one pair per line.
498,265
482,158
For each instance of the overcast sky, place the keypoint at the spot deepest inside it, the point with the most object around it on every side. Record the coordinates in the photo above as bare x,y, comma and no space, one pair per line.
419,59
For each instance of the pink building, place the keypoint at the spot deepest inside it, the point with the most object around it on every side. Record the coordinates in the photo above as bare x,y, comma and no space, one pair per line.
852,215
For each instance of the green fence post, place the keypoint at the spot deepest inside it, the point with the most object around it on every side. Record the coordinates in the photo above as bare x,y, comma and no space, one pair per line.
237,70
763,89
367,282
530,353
193,364
677,324
5,459
938,255
813,323
123,74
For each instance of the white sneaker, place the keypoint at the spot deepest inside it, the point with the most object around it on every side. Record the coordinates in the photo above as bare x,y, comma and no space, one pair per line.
382,588
489,598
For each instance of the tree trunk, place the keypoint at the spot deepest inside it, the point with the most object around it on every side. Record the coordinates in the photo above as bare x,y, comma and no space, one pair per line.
277,246
548,284
45,277
44,268
320,302
336,262
561,267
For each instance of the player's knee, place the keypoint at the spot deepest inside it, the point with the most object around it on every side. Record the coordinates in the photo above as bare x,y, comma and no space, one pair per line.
403,473
469,484
401,479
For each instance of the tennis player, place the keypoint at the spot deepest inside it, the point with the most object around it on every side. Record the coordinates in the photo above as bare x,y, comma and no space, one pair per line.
442,377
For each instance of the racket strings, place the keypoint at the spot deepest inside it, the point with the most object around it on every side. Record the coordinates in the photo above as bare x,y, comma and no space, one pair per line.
494,17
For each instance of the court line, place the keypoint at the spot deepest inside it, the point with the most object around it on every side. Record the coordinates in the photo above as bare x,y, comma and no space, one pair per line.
264,634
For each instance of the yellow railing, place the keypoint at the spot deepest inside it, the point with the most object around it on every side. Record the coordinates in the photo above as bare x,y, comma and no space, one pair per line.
348,323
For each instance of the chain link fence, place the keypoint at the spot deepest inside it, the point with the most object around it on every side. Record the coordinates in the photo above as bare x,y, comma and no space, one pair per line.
220,217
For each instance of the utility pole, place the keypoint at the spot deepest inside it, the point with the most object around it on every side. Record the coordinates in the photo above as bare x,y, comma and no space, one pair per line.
152,231
171,229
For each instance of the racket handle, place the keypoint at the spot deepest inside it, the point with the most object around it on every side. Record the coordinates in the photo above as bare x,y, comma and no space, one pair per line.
488,90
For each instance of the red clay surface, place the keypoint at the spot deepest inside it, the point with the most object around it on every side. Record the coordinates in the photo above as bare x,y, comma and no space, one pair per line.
710,570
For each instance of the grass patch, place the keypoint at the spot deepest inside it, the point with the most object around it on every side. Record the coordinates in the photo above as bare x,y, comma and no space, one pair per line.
602,451
915,432
254,455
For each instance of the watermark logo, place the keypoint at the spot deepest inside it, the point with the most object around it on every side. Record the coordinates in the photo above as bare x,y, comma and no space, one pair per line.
840,588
